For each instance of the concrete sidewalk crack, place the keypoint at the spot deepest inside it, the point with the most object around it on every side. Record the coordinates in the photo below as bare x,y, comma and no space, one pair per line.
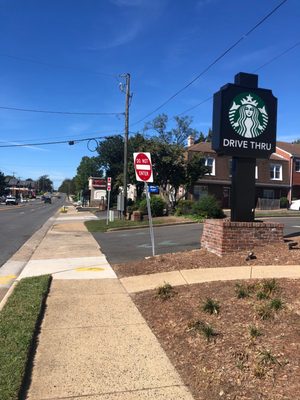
115,392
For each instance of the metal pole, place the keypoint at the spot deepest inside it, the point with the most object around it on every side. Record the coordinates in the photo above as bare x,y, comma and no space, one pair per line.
108,201
126,132
150,219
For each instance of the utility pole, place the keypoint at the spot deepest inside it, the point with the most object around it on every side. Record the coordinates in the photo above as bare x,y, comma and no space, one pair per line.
126,132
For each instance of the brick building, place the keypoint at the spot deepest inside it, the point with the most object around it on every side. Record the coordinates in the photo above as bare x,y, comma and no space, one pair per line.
272,176
291,153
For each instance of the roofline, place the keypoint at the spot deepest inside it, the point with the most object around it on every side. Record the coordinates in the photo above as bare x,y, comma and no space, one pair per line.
277,147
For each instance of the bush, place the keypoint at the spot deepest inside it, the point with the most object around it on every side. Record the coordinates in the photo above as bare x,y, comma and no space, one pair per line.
208,207
184,207
157,206
284,203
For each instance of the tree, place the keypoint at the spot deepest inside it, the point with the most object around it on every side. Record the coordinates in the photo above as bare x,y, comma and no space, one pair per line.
68,186
2,183
44,184
177,135
89,166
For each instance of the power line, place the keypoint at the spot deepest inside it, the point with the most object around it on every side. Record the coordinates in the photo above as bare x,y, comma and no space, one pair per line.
59,112
71,142
278,56
213,63
257,69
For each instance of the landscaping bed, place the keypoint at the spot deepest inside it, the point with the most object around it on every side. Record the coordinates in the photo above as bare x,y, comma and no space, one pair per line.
248,348
266,255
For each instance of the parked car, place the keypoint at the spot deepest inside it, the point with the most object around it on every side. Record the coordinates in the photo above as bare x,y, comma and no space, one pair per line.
11,200
47,200
295,205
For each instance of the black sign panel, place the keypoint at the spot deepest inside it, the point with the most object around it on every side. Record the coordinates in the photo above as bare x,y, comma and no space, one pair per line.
244,121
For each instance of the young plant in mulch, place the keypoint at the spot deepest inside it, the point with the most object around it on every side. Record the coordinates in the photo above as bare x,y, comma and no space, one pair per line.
211,306
202,327
242,291
276,304
267,288
254,332
165,292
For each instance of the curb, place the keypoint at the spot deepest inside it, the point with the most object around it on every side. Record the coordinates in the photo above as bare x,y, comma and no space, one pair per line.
41,233
126,228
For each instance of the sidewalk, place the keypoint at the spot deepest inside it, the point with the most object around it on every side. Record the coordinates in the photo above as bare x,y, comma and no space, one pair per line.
94,343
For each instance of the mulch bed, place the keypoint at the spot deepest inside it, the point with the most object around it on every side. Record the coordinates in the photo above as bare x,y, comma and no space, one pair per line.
267,255
231,365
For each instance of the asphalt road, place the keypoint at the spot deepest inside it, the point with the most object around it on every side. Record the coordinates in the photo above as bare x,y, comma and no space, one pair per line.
127,245
134,244
19,223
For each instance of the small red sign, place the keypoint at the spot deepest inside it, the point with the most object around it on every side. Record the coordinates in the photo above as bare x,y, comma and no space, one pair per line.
143,167
108,184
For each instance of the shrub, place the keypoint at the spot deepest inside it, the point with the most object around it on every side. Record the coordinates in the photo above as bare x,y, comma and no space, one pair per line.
254,331
165,292
210,306
284,202
208,207
157,206
184,207
205,329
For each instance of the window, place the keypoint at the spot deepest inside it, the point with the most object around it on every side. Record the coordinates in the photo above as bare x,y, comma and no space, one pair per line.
276,172
210,162
297,165
268,194
199,191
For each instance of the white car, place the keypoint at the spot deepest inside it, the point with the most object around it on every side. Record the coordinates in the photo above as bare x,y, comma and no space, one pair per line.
11,200
295,205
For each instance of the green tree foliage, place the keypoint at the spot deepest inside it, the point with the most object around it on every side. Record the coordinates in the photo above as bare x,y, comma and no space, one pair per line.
111,156
2,183
89,166
177,135
44,184
67,186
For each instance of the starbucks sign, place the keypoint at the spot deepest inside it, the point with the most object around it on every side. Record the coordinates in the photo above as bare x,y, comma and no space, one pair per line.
244,121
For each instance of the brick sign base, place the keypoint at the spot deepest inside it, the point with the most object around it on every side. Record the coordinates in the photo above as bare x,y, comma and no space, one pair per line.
225,236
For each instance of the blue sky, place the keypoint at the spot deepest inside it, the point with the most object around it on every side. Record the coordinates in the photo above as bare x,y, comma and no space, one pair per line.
67,55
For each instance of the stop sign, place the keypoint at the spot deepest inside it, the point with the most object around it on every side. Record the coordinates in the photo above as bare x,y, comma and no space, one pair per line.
143,167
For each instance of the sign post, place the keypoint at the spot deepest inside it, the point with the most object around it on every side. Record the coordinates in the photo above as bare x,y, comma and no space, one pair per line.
144,173
108,188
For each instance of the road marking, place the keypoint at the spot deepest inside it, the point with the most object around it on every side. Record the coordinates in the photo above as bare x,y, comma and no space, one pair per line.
94,269
4,280
145,246
168,243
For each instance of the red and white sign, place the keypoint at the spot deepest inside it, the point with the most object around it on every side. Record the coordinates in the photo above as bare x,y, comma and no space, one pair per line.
108,186
143,167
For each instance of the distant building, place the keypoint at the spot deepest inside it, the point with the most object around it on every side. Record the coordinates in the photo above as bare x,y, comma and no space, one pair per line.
20,188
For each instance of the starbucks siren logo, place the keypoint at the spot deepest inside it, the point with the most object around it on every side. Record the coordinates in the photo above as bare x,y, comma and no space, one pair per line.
248,115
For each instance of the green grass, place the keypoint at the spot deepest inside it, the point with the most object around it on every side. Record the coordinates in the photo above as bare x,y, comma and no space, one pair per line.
18,322
100,225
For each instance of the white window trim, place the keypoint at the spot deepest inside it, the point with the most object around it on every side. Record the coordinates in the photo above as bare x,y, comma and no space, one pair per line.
213,168
256,172
297,170
273,166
